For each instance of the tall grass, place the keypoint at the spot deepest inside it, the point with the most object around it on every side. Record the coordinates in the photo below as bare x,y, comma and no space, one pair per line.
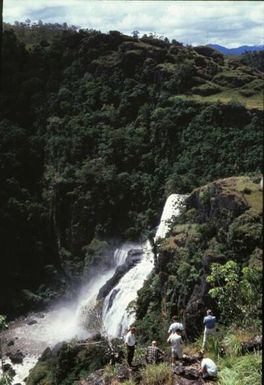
244,370
232,345
110,371
127,382
157,375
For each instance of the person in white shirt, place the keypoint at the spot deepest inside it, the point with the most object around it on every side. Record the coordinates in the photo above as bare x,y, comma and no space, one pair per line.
176,346
175,325
208,368
130,341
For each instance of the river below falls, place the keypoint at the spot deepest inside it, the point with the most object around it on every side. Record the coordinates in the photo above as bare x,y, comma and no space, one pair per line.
33,334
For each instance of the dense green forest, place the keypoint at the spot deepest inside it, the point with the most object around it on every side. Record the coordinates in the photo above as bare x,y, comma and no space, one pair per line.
96,130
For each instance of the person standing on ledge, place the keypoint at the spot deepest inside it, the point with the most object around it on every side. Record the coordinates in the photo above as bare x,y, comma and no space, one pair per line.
130,341
176,346
175,325
209,327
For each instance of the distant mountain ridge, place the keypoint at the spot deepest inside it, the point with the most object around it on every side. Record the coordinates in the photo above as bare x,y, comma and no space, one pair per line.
238,50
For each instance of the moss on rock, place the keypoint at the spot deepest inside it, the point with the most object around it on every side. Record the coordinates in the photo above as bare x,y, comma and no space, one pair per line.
66,363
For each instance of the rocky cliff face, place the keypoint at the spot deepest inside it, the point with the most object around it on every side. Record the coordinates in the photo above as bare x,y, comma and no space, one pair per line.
221,221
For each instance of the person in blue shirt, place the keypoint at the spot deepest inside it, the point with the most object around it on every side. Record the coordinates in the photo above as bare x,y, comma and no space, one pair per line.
209,327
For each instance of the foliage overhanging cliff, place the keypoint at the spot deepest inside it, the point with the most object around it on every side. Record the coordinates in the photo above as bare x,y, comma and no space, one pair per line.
212,258
96,130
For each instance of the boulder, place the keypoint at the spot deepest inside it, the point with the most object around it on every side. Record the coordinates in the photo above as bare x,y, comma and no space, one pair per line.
189,373
16,357
254,343
8,369
32,322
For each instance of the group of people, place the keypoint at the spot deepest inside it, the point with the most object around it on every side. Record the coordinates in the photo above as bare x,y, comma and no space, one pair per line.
176,331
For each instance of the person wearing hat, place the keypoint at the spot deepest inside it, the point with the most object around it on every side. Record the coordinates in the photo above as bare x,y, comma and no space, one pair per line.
130,341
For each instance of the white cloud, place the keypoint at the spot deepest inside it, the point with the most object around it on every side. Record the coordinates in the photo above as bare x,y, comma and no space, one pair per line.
230,23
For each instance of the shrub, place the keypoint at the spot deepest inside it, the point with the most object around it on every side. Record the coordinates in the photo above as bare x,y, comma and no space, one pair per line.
237,292
5,380
206,90
247,93
3,323
129,382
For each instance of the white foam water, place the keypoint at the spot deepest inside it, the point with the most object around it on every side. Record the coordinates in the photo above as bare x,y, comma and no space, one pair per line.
171,209
63,323
116,316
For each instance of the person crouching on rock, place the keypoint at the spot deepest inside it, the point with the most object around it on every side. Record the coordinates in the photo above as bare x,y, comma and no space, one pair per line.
130,341
153,354
208,368
175,340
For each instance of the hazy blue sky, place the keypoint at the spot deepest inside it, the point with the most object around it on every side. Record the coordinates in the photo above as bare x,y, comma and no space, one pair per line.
229,23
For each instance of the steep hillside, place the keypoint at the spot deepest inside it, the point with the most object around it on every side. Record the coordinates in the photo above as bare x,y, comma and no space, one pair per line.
218,234
220,230
96,131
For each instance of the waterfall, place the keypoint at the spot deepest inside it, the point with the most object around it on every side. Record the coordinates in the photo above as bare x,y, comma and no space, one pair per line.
116,316
67,321
118,311
170,210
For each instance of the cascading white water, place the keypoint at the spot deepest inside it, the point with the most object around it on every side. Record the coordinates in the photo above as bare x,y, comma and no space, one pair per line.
121,253
117,317
170,210
68,321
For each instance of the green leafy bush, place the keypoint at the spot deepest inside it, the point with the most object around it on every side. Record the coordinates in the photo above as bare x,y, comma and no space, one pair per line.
5,380
237,292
